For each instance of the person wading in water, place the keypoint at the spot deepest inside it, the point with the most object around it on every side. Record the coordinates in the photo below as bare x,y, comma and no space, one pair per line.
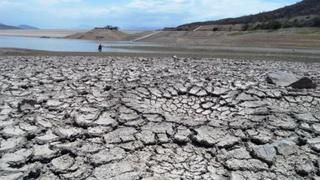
100,48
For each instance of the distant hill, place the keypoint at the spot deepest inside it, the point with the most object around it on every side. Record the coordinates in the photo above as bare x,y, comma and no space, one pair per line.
4,26
23,26
303,14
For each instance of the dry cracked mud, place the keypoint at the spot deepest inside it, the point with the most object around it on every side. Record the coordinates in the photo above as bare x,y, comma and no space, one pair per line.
156,118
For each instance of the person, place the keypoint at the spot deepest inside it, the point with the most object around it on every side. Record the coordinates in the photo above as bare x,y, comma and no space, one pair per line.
100,48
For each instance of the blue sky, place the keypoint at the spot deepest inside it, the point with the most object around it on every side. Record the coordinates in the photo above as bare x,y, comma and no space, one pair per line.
127,14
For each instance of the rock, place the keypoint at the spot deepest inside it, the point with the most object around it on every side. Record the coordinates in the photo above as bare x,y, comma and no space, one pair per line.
266,153
304,83
285,79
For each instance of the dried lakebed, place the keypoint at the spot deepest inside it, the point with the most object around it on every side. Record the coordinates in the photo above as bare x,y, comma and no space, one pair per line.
156,118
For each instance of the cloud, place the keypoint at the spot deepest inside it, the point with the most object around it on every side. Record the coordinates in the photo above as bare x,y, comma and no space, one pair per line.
128,13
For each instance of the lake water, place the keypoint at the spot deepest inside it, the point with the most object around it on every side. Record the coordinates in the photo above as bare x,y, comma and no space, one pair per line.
65,45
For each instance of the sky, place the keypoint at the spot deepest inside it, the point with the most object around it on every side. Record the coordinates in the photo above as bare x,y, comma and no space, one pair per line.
127,14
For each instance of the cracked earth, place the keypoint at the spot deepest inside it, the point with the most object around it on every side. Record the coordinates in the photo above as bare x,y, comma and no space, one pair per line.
156,118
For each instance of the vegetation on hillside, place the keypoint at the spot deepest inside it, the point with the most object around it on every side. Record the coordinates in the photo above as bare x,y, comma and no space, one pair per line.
302,14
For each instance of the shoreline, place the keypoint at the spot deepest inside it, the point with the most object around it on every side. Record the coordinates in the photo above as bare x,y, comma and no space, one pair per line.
180,52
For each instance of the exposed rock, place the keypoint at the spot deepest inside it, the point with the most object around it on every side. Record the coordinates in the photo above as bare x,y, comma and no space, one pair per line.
284,79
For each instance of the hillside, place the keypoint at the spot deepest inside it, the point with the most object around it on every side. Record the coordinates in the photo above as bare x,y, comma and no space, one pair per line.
23,26
303,14
100,34
3,26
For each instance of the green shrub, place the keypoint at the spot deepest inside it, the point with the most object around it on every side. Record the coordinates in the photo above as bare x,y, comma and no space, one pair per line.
316,22
245,27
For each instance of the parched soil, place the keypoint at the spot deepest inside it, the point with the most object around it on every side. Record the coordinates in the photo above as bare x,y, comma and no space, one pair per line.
156,118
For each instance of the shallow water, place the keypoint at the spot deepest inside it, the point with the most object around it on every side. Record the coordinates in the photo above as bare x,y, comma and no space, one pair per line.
65,45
